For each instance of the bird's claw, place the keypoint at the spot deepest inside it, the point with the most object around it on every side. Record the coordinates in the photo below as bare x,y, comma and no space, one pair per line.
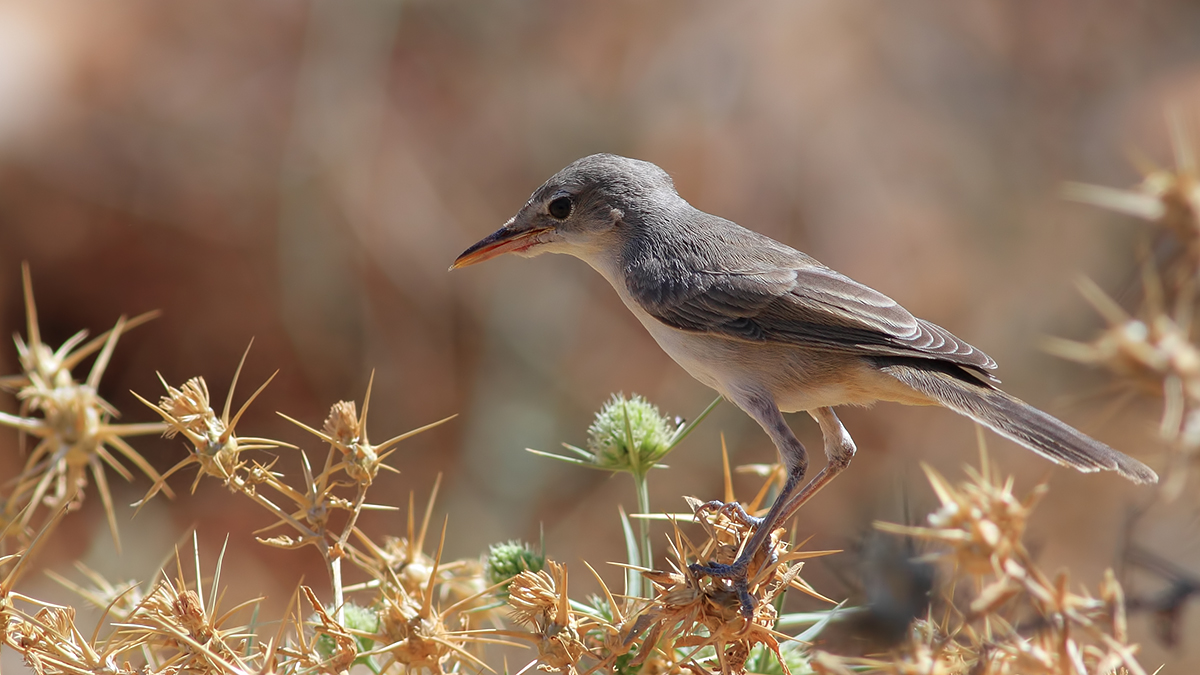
736,574
745,600
732,511
718,571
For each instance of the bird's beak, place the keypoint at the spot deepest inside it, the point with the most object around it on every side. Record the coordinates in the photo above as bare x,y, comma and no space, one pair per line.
503,240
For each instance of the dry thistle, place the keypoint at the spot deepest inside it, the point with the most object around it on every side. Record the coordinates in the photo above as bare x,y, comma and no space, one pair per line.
182,629
979,528
215,448
1155,355
1153,347
176,627
346,432
402,558
119,600
691,612
980,520
402,561
1169,199
172,629
47,639
73,425
413,632
50,644
217,451
539,601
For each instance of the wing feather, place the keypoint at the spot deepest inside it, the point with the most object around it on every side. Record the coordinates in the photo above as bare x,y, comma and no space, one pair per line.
772,293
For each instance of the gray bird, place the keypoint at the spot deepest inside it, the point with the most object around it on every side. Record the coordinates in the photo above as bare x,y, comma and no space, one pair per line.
770,328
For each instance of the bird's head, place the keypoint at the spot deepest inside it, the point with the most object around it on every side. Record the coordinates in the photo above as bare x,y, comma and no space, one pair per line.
587,209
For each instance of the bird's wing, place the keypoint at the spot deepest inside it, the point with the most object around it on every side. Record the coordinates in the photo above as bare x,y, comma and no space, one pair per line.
787,297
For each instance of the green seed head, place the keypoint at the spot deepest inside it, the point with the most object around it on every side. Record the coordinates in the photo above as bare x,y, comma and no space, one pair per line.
358,618
509,559
629,434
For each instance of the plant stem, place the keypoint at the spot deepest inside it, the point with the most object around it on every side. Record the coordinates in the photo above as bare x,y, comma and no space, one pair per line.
643,496
335,578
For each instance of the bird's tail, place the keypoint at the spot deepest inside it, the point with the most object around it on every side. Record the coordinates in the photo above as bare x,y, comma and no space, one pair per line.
1012,418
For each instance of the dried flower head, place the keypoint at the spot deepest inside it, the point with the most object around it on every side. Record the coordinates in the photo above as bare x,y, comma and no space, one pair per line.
981,520
1152,348
696,613
185,628
215,447
539,601
73,425
1017,620
1167,198
346,432
189,412
413,633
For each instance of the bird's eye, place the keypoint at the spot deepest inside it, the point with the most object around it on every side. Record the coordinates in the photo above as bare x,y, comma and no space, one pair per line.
560,208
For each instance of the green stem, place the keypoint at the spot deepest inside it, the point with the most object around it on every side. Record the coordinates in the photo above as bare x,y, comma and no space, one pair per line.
643,496
683,433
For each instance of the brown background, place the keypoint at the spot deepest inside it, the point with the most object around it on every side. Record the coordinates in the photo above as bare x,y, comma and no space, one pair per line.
303,174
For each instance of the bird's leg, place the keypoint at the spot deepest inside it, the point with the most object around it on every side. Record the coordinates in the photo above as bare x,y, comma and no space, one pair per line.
795,458
839,450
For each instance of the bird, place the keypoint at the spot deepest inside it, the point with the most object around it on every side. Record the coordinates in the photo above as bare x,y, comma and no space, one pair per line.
770,328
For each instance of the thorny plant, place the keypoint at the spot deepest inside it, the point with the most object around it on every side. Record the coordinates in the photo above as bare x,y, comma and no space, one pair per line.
631,436
217,451
413,613
420,604
999,614
1152,349
73,427
687,623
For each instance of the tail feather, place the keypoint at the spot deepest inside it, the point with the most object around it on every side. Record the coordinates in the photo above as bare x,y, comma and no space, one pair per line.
1014,419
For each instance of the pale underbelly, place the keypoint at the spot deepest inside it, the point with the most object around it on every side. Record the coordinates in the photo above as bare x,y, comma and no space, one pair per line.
797,378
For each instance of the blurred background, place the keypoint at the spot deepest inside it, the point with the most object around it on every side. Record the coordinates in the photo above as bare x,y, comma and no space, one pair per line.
303,173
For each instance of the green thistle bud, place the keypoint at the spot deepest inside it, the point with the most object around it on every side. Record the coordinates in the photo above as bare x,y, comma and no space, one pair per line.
355,617
629,435
509,559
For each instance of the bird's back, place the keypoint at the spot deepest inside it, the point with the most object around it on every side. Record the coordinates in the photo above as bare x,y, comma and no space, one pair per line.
696,272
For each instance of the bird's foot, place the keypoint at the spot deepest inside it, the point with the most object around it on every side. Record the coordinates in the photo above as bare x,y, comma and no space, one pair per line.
736,574
739,569
735,571
732,511
746,601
